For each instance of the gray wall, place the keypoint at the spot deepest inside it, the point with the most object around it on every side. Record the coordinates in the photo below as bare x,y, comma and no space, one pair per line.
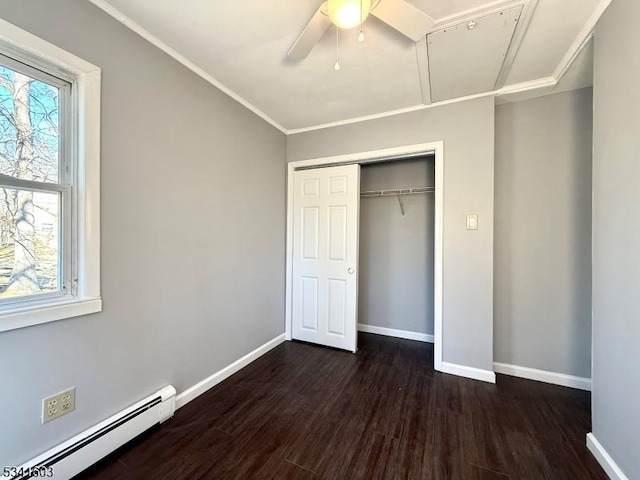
193,238
542,286
396,256
616,236
467,130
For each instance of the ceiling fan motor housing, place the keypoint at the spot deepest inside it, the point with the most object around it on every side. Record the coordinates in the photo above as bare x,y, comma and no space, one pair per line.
348,13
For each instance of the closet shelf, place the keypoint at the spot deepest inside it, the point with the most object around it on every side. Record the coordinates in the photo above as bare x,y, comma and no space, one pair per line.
398,191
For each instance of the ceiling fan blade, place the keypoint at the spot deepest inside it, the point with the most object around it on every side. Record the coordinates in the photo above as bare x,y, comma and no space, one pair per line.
311,34
404,17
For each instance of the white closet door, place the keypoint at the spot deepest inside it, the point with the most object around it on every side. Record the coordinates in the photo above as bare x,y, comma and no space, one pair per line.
325,256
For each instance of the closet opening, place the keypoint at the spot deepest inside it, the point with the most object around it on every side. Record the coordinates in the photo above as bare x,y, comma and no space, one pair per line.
397,243
365,243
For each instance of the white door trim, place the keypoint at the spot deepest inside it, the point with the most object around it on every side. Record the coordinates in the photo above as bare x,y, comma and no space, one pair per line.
389,154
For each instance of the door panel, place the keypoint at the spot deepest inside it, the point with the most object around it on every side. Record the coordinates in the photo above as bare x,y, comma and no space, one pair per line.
337,306
310,232
325,256
311,187
309,298
338,234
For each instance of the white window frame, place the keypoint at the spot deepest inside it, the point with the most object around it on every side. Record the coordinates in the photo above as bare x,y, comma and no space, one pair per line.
84,295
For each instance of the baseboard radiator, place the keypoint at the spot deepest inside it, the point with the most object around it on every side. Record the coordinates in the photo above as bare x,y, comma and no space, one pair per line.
83,450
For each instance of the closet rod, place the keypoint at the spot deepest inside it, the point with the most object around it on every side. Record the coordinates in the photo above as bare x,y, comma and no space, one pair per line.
398,191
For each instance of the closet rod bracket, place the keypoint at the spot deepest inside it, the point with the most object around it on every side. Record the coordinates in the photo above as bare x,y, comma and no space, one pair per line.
403,216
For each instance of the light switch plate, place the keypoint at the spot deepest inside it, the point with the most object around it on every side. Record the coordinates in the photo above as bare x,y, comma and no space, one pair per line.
472,222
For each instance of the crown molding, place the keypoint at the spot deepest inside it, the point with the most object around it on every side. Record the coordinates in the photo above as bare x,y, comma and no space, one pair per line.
527,86
388,113
511,89
129,23
581,40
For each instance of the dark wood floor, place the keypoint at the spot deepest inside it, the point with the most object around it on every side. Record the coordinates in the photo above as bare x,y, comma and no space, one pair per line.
306,412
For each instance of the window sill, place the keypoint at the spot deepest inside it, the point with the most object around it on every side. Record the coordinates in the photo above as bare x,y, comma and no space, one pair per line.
36,315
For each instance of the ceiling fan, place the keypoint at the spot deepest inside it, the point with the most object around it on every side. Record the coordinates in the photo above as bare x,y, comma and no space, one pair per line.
398,14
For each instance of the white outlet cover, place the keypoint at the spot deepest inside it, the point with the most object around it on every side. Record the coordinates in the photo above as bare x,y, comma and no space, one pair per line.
59,404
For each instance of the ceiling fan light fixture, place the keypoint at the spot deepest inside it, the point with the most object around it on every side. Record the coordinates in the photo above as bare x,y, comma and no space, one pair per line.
348,13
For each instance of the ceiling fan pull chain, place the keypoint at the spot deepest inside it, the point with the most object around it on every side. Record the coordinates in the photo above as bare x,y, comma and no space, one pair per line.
361,36
337,65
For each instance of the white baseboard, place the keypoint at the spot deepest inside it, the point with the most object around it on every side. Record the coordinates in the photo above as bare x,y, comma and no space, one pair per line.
69,458
543,376
604,459
392,332
211,381
469,372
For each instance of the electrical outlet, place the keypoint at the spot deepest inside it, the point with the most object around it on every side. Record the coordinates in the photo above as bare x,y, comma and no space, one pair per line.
59,404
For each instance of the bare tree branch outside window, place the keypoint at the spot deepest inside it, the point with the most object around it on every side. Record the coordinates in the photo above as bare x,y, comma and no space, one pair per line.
29,220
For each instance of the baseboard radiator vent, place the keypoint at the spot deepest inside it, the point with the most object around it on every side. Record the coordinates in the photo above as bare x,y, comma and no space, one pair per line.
83,450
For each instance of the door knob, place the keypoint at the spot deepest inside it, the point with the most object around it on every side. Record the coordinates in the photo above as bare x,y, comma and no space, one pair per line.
350,270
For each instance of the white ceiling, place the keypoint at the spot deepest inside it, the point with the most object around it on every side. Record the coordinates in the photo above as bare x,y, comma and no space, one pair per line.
243,46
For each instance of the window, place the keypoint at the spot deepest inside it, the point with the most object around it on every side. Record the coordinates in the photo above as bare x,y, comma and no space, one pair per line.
35,184
49,182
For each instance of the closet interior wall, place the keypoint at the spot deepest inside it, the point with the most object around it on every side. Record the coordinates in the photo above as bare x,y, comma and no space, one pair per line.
396,254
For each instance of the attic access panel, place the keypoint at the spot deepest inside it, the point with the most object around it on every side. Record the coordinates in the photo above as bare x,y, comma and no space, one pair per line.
466,59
